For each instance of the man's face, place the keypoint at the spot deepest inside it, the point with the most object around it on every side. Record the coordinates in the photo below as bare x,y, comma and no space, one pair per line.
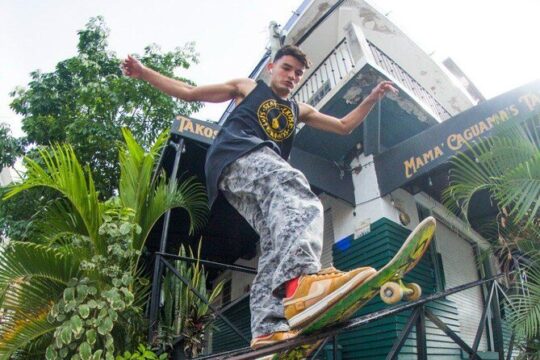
286,73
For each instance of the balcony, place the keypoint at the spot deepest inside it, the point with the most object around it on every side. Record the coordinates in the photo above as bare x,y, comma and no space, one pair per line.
329,73
341,81
404,79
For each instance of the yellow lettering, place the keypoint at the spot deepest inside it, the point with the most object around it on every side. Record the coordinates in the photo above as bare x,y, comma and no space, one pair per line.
503,115
189,126
467,134
409,166
428,156
455,141
514,110
492,121
182,124
531,100
483,127
208,132
199,129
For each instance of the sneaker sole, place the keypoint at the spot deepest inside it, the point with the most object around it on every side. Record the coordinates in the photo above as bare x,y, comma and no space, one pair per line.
307,315
259,343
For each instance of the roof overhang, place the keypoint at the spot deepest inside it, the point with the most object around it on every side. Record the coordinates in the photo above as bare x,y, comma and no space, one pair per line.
428,152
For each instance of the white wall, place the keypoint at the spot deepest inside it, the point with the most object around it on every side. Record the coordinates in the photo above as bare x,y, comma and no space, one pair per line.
459,264
5,177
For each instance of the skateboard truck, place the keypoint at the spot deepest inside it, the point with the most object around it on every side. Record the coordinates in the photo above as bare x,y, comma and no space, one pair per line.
394,291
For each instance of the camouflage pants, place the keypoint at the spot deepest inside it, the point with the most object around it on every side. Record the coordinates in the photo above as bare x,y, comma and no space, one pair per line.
277,202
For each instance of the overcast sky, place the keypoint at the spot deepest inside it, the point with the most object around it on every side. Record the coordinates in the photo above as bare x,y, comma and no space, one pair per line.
495,42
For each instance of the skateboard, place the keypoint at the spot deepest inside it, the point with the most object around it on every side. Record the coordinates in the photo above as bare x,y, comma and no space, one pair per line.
387,282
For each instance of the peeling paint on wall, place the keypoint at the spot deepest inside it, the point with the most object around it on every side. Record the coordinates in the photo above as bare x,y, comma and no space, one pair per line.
322,8
454,104
371,20
361,86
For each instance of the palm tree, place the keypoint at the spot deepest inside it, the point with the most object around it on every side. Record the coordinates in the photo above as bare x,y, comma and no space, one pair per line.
34,275
507,166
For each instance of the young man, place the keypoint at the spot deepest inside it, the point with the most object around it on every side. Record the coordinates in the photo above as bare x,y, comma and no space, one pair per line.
247,163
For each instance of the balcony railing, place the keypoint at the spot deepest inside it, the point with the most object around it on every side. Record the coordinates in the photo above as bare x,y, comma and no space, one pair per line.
327,75
407,81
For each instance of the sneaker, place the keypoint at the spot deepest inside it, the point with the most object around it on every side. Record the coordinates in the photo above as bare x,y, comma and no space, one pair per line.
317,292
272,339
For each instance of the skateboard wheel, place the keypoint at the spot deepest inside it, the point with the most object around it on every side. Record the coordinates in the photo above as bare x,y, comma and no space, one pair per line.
415,292
391,292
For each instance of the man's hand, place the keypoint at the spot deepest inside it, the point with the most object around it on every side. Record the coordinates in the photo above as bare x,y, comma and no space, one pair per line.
380,90
349,122
132,67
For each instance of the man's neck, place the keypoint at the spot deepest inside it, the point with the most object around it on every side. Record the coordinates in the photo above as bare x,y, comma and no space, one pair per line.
280,93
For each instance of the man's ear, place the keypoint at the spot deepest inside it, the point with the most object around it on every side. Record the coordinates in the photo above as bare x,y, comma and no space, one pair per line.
269,67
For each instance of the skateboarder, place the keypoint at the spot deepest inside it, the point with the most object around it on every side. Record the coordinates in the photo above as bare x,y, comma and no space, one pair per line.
247,164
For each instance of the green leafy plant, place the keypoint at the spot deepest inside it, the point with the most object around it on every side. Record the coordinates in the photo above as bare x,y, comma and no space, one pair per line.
86,315
507,166
80,237
184,313
142,353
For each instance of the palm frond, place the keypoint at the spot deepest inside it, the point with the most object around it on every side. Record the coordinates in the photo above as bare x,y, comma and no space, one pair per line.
63,172
151,200
35,349
506,165
136,168
32,276
21,333
190,195
525,314
519,190
28,260
57,219
468,176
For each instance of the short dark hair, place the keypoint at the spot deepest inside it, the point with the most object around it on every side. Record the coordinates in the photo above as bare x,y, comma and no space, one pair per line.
295,52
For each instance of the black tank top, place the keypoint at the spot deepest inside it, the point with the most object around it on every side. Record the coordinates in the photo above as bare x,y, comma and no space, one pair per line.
261,119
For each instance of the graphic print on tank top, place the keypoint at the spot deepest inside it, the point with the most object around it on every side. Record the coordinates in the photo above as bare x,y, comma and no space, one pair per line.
277,120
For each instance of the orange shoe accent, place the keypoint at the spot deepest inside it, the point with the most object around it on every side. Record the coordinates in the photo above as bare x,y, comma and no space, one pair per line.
315,293
272,339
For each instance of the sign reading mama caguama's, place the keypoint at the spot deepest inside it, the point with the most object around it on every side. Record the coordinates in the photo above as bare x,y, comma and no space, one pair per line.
434,146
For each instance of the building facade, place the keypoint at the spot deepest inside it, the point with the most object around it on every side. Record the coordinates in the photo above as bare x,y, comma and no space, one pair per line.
375,184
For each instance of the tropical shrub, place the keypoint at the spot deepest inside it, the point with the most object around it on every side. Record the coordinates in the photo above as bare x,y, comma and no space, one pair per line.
184,313
79,285
507,166
142,353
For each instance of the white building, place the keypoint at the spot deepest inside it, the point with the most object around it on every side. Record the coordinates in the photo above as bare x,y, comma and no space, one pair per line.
379,182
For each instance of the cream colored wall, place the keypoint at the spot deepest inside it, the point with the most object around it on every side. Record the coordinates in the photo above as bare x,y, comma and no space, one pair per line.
5,177
375,27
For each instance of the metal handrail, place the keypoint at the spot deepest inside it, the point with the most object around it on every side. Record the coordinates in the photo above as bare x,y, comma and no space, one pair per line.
213,264
418,305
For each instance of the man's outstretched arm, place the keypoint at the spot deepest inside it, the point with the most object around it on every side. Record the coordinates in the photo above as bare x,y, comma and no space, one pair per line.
345,125
234,89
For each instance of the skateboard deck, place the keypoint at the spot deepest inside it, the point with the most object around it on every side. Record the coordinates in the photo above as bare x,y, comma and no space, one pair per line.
387,281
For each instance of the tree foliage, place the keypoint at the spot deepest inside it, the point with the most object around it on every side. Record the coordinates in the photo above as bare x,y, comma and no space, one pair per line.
85,102
10,147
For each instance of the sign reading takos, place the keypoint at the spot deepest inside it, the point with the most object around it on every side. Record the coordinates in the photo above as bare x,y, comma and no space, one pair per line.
434,146
203,131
